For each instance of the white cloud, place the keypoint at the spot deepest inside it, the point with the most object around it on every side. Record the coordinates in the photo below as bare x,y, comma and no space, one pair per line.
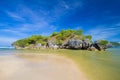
104,32
14,15
39,20
71,4
16,32
7,40
35,22
65,7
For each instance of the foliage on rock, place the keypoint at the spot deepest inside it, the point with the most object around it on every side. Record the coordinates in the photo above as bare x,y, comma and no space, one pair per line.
58,38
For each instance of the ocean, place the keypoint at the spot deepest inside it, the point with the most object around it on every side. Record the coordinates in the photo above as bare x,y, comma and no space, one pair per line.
104,66
7,51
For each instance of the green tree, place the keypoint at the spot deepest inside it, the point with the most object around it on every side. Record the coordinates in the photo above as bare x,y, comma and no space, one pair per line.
115,43
34,39
58,37
88,37
21,43
79,32
54,34
103,42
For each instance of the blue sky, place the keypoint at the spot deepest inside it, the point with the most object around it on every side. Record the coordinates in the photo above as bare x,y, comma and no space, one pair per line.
23,18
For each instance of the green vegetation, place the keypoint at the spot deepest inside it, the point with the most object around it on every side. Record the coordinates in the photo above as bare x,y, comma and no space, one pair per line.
57,37
21,43
103,42
54,34
33,40
115,43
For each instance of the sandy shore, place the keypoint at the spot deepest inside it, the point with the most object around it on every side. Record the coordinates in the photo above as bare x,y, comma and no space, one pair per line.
38,67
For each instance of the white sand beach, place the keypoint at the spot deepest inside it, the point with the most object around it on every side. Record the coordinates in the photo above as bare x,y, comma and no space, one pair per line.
39,67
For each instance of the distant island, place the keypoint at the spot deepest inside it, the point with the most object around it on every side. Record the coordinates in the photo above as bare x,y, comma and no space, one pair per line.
65,39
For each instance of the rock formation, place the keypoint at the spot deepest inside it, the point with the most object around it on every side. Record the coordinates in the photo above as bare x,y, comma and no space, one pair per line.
77,44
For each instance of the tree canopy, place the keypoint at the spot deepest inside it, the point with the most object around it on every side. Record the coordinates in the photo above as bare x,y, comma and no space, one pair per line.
58,37
103,42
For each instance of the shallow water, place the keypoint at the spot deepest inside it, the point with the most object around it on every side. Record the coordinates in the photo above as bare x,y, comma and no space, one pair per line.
96,65
7,51
102,66
38,67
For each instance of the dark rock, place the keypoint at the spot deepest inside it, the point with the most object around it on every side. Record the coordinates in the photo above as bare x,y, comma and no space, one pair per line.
73,44
96,45
85,44
77,44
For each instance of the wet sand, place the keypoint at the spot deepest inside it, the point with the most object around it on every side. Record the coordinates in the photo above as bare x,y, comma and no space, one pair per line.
38,67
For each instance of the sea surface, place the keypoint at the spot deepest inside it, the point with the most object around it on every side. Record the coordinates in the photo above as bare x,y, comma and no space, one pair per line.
104,66
7,51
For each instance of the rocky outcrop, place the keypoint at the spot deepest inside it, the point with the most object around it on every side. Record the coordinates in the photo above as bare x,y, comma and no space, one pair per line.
70,44
77,44
51,45
84,45
97,46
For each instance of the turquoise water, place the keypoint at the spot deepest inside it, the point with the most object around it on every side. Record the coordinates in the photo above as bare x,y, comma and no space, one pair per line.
7,51
107,66
99,66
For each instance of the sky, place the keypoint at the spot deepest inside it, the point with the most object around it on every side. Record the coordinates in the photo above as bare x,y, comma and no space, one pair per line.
23,18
